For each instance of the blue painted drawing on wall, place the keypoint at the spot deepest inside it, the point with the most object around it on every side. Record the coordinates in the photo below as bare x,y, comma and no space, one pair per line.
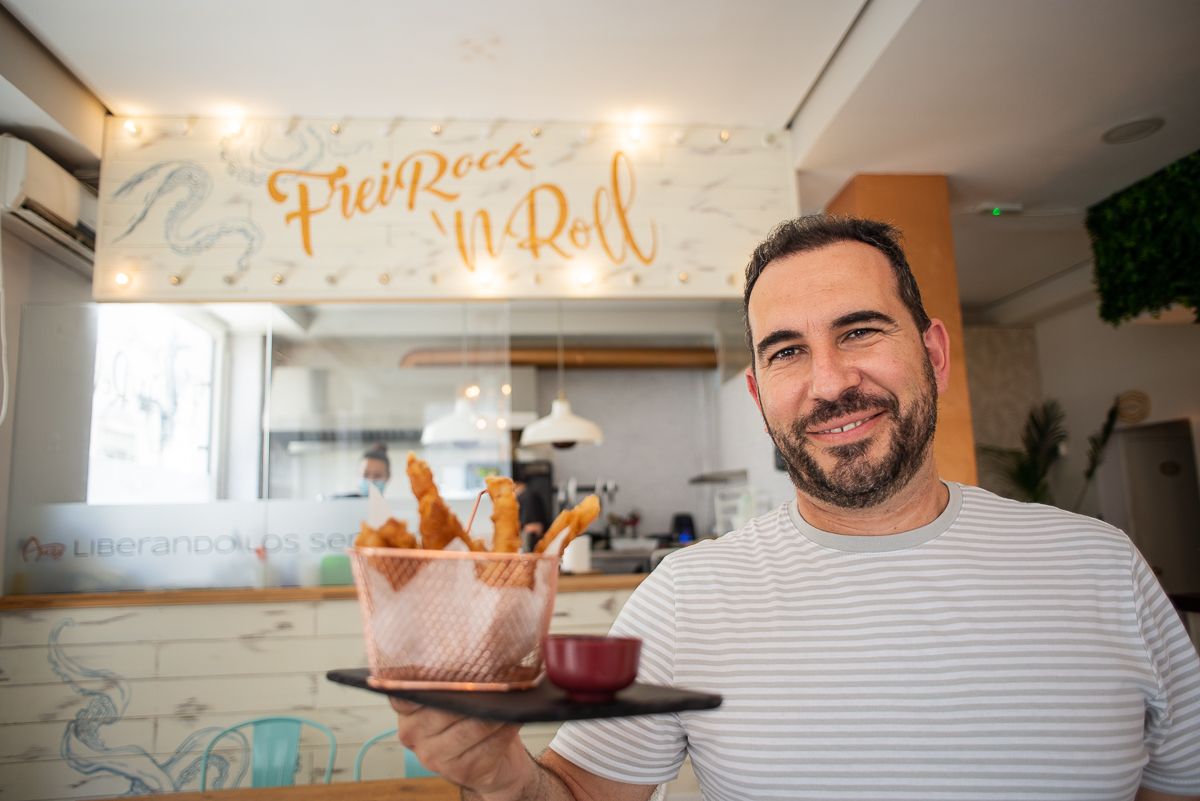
164,179
83,744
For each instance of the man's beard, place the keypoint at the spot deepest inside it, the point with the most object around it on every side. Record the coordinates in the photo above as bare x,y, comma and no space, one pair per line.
854,482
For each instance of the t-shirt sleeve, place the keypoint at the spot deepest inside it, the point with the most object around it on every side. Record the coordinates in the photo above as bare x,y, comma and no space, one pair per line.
1172,733
648,749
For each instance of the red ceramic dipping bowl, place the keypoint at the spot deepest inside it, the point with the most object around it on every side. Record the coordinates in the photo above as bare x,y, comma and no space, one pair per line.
592,668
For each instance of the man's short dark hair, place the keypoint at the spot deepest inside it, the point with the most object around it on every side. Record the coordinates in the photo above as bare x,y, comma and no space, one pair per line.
820,230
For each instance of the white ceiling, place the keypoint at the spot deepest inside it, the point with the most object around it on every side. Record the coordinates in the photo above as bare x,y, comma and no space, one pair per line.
1007,98
671,60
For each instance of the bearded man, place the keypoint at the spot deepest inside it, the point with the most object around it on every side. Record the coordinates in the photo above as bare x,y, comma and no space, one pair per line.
887,635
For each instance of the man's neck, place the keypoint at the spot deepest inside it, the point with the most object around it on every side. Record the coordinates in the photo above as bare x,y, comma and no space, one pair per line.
917,504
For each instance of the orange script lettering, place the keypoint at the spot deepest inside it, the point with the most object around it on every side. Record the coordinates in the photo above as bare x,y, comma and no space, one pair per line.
422,173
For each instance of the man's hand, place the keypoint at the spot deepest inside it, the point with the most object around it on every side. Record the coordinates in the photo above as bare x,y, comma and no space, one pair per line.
484,756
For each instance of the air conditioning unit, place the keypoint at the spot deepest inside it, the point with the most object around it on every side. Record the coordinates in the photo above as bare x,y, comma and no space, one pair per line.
47,206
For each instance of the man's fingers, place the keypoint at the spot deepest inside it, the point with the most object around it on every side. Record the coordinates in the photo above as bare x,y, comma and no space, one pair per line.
476,754
467,751
467,735
402,706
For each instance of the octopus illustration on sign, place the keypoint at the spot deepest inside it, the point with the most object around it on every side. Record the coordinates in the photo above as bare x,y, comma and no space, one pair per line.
196,183
83,746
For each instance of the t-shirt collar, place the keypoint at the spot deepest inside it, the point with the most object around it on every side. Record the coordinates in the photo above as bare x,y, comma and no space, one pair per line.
884,542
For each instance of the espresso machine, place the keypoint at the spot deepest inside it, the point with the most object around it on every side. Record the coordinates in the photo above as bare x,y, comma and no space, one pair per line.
568,495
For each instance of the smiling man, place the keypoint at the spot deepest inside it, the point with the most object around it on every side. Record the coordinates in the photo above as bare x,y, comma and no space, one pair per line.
886,635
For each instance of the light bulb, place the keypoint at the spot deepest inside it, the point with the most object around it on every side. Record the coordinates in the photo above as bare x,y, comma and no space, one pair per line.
480,423
132,128
472,391
506,389
121,279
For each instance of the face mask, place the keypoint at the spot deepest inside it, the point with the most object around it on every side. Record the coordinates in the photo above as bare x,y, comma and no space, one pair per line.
365,485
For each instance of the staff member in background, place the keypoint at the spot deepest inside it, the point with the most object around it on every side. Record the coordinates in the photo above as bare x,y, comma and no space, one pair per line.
887,635
376,469
535,516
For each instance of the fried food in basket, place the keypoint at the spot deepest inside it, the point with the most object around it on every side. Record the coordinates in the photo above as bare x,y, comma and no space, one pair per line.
573,521
506,523
392,534
439,527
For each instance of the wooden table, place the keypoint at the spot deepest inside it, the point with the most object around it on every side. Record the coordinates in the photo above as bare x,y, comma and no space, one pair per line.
385,790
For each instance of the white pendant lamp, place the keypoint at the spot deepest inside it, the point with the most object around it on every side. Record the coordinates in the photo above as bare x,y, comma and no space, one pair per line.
561,428
458,426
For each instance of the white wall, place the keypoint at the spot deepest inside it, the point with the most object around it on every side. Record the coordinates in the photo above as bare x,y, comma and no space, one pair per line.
1002,373
660,429
29,276
744,444
1085,363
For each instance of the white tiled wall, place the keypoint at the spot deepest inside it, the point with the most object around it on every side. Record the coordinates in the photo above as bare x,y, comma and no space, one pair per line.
150,678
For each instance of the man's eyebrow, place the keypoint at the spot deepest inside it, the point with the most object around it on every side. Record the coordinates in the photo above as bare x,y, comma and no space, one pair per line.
774,338
789,335
864,316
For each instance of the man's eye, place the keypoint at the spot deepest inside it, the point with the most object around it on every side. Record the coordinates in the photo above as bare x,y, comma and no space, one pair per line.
861,333
782,353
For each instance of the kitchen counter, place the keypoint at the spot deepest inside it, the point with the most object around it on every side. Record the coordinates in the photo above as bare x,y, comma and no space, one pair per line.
566,583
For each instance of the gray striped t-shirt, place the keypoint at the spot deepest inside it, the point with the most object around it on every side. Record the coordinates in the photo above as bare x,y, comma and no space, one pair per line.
1005,651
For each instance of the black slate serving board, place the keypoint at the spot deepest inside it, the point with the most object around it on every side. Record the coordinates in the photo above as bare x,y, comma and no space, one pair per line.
543,703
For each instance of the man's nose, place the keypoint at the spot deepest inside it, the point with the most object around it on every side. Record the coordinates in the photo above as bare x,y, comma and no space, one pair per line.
833,372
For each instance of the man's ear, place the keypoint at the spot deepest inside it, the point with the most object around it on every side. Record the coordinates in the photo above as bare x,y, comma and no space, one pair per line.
937,345
752,386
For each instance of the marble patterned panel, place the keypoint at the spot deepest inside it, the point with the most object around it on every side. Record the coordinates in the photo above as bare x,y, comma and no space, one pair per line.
283,212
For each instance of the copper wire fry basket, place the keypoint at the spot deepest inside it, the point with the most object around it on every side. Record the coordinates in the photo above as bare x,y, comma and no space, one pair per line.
454,620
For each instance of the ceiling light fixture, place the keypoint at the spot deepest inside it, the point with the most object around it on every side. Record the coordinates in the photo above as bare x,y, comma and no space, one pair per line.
1133,131
561,428
460,426
453,428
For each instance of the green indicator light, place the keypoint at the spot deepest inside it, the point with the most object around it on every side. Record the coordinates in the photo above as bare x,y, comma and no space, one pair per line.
996,212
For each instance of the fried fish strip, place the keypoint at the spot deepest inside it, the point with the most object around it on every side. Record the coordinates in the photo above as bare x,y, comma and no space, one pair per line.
392,534
506,525
573,521
439,527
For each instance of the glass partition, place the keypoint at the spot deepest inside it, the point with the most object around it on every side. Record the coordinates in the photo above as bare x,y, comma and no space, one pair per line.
225,445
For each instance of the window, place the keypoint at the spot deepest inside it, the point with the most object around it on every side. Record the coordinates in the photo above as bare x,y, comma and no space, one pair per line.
152,408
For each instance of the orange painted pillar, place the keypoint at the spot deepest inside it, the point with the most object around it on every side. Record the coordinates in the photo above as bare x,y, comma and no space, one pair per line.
919,205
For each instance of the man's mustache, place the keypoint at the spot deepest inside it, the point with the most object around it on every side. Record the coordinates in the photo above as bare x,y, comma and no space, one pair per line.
850,401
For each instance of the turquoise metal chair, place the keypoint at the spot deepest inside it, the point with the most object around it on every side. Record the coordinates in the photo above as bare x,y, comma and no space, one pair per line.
413,769
274,751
